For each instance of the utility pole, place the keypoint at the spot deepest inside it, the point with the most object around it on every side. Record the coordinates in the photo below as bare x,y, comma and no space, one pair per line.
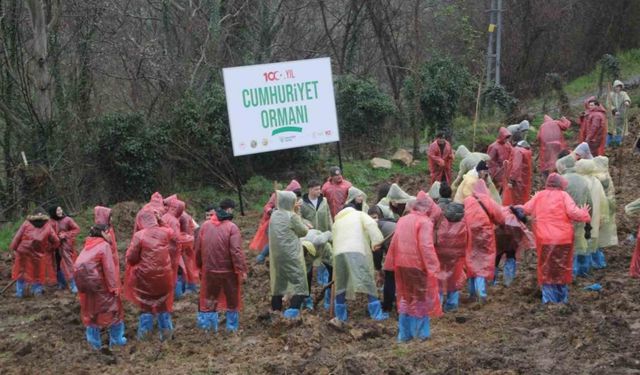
495,43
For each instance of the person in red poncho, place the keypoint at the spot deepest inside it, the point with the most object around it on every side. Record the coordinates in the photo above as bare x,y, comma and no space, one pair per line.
440,156
260,241
499,152
519,175
102,216
191,272
64,256
223,268
554,211
336,190
412,257
482,215
633,208
156,203
175,209
149,280
551,141
595,127
452,241
99,288
33,246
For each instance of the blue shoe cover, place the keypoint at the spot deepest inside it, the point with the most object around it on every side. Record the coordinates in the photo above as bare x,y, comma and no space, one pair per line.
145,325
340,310
36,289
555,293
233,321
62,283
509,271
260,258
453,299
93,337
480,287
593,287
291,313
375,311
191,288
179,291
327,299
116,335
20,288
323,275
308,303
207,321
582,265
471,287
404,328
597,260
73,287
165,325
422,328
496,274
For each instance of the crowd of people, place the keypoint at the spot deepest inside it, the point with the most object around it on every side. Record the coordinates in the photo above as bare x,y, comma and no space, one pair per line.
418,251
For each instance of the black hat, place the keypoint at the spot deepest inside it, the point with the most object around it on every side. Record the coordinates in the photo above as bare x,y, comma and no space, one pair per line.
482,166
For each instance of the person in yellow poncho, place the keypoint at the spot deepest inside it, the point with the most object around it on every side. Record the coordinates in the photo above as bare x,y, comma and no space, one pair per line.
355,236
481,171
608,228
618,101
286,258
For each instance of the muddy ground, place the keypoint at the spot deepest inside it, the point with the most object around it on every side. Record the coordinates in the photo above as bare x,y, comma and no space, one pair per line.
597,332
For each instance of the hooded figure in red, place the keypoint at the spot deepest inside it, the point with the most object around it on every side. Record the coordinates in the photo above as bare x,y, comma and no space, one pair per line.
551,141
222,263
175,209
65,254
595,127
99,288
440,156
149,281
102,216
191,272
261,239
482,214
554,212
412,257
32,247
499,152
519,175
336,190
156,203
452,241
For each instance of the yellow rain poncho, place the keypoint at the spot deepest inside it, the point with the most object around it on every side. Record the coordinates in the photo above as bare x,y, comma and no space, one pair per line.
397,196
354,192
318,247
608,228
383,205
599,205
319,216
286,258
578,189
566,164
466,188
355,234
468,161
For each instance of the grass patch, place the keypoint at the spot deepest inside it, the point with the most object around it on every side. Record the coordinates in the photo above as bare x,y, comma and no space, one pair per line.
7,231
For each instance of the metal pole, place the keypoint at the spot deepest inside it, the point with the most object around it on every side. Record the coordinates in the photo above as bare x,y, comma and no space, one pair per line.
339,156
498,41
490,46
239,187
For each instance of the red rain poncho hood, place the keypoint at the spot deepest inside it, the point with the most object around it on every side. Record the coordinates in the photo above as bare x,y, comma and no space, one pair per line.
551,140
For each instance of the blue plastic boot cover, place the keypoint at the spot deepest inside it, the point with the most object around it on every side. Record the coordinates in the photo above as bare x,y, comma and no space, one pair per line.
116,335
509,271
291,313
308,303
453,299
327,299
375,311
323,275
496,273
73,287
179,287
20,288
207,320
165,325
555,293
36,289
145,325
233,321
191,288
597,260
422,328
263,255
62,283
93,337
583,265
480,286
471,286
340,310
404,328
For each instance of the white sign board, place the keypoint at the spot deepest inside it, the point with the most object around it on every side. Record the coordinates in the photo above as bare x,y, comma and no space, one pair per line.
279,106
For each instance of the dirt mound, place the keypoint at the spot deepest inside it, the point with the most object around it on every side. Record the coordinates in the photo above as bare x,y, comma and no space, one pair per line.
123,217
